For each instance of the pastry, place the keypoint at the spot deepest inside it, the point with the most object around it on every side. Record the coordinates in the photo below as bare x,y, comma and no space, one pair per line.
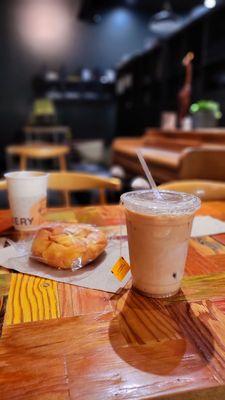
68,247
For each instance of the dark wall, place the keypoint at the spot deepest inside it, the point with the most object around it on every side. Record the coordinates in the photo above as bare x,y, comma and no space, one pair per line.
92,45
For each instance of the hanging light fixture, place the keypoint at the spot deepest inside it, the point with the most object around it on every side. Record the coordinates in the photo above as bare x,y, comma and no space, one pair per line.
210,3
165,21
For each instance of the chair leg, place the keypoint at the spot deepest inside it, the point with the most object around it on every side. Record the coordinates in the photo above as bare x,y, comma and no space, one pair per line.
23,163
102,196
67,198
62,163
9,162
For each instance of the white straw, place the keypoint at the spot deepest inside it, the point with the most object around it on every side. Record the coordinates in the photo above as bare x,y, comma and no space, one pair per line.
148,174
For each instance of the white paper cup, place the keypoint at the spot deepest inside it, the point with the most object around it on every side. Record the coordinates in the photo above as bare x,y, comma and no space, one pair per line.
27,193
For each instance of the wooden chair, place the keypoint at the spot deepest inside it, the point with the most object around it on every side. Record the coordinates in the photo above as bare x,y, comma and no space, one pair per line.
3,185
206,190
39,151
67,182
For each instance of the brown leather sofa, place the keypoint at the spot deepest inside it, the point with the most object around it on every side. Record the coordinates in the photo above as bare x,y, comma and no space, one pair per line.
198,154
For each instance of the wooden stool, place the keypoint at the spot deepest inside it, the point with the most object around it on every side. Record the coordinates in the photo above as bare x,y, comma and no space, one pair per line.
39,152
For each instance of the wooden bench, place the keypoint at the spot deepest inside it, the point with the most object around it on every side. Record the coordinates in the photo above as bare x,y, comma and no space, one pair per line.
198,154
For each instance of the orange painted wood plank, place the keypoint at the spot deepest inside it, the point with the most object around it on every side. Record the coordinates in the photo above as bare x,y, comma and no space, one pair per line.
219,261
198,264
29,376
86,301
204,324
220,238
143,320
3,302
98,358
5,220
215,209
220,304
133,372
75,300
65,300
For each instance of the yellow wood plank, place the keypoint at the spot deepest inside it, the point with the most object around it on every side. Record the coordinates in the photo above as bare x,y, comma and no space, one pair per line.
31,299
207,246
199,288
61,216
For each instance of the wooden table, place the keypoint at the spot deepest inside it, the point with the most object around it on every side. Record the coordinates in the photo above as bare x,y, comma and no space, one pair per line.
65,342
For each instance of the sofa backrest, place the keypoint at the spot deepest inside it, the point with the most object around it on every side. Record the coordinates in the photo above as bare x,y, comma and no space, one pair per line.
178,140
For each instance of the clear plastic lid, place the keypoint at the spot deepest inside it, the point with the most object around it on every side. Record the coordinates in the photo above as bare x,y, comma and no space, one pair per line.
172,203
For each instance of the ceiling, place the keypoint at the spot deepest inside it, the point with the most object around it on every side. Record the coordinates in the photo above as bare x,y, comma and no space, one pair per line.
89,8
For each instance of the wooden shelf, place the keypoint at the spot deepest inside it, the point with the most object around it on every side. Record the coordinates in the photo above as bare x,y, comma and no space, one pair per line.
157,74
68,90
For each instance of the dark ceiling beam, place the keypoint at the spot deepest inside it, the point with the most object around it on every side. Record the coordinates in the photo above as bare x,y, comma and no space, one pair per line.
85,9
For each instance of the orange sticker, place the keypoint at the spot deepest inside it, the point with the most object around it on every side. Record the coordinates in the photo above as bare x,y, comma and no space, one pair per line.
120,269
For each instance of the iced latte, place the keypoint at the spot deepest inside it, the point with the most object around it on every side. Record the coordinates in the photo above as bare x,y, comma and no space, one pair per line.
158,233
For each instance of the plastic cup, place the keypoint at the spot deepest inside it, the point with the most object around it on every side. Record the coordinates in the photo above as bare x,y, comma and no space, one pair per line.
27,193
158,234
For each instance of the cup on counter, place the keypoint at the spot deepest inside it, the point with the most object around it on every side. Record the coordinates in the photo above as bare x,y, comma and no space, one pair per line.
168,120
27,193
158,233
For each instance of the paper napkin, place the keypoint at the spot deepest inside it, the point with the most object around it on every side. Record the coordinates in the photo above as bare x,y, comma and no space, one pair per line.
204,226
97,275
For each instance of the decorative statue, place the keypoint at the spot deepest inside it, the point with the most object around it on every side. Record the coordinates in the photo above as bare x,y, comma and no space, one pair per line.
184,95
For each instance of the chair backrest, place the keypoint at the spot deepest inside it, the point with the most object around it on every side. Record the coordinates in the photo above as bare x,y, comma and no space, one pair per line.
3,185
75,181
206,190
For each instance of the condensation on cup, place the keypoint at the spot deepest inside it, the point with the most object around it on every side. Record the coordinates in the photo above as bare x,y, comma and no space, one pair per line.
27,193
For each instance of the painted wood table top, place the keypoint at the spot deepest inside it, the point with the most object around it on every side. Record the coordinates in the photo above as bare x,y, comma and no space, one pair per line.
62,342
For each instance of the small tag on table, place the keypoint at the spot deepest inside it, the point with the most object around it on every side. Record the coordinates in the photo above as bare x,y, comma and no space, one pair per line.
120,269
